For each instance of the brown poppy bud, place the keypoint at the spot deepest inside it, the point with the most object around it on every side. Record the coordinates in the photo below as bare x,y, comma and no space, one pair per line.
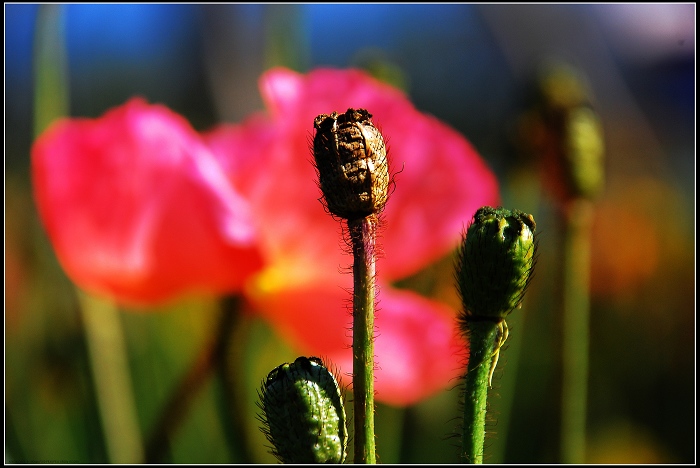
351,162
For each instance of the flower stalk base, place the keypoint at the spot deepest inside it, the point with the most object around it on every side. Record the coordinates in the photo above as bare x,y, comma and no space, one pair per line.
484,343
362,235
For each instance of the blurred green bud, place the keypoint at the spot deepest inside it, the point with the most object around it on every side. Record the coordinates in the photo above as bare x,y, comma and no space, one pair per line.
584,152
495,263
566,134
561,86
303,414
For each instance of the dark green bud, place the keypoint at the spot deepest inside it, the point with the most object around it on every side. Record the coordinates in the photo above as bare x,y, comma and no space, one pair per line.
495,263
303,413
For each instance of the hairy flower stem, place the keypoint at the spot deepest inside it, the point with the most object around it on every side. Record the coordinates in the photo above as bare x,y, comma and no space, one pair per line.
483,337
494,266
576,314
362,235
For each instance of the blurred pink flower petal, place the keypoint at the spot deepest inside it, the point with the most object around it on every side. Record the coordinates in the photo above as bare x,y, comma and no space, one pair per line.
138,209
417,348
272,169
441,184
442,179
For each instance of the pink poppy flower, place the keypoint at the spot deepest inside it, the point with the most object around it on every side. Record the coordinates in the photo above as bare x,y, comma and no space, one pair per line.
138,209
302,291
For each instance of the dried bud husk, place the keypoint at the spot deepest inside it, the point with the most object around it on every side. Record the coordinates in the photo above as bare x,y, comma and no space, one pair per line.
350,157
303,413
495,263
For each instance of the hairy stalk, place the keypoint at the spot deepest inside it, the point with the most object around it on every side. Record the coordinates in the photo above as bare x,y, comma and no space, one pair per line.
362,235
482,346
353,172
493,269
576,312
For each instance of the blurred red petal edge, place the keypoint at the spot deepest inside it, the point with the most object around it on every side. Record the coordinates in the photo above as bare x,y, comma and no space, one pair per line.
418,351
138,209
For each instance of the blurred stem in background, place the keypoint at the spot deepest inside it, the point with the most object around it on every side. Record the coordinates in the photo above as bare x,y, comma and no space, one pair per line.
104,334
51,89
287,37
567,136
103,330
212,357
575,332
101,319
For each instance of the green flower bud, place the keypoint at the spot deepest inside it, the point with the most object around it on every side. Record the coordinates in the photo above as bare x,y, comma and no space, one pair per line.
350,157
495,263
575,147
303,413
585,152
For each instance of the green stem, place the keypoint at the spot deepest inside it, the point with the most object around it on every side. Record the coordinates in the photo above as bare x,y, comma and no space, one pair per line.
209,358
482,341
502,406
362,235
110,369
233,334
575,330
51,96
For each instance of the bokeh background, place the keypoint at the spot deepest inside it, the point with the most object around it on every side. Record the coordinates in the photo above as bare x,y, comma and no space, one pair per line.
469,65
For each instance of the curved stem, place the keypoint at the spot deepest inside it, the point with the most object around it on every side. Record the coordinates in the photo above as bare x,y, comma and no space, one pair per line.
175,410
362,235
575,332
502,406
233,337
483,337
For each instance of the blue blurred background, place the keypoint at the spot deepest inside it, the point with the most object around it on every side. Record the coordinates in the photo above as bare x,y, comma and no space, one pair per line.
469,65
